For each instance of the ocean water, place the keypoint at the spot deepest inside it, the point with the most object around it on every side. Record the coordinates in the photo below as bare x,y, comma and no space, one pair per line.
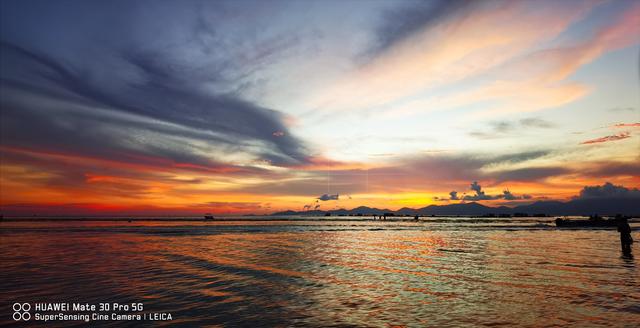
444,272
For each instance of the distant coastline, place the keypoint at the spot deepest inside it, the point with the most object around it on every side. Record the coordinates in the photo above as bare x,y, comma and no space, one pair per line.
576,207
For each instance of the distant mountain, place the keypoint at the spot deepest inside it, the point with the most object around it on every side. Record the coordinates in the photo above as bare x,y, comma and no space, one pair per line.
472,208
364,210
611,206
626,206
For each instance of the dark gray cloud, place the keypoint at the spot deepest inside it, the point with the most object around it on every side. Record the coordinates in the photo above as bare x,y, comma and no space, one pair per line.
480,195
610,169
501,129
326,197
123,79
476,187
608,190
518,157
458,167
528,174
507,195
535,122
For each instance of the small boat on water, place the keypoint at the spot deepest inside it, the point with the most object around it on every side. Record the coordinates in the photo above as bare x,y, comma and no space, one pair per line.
593,222
208,217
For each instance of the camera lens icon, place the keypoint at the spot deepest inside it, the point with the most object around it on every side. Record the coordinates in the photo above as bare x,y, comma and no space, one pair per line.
21,311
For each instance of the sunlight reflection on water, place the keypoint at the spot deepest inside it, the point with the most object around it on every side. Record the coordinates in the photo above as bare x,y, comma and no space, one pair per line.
327,273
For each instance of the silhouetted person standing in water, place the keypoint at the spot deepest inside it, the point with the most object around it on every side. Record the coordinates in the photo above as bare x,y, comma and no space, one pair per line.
625,235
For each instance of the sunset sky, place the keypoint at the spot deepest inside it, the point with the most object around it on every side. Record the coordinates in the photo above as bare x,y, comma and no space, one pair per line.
187,107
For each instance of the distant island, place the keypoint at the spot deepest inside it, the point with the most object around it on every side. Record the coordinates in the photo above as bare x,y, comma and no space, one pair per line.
583,207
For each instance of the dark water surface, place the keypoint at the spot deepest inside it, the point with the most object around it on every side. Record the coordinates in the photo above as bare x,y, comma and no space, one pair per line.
321,273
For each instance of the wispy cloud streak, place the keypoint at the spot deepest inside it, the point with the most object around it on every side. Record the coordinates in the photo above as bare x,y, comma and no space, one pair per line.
615,137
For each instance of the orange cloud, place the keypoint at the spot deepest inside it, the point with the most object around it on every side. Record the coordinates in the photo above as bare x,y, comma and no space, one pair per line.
487,43
614,137
627,125
319,163
544,85
449,52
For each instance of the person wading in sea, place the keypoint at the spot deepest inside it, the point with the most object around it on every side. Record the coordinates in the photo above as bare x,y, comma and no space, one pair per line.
625,235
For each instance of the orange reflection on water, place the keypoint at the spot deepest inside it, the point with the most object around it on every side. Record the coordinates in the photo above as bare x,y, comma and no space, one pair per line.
326,273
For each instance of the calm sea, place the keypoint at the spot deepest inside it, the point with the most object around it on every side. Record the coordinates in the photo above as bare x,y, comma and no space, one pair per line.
444,272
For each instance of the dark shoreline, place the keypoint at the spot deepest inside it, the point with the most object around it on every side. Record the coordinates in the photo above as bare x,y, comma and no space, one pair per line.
443,218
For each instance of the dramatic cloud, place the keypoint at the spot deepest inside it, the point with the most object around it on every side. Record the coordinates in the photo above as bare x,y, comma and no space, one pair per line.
615,137
441,170
419,172
327,197
477,188
611,169
507,195
168,98
529,173
171,104
517,157
608,190
480,195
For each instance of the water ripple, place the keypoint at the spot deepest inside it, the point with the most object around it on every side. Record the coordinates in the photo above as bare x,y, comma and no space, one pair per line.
327,274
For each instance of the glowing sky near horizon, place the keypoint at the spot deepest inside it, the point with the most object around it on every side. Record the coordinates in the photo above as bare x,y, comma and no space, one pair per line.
178,107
